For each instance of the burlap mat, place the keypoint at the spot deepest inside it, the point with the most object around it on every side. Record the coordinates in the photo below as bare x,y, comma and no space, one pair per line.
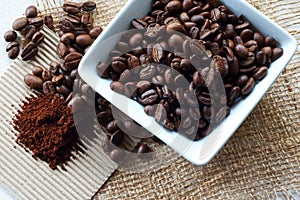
261,160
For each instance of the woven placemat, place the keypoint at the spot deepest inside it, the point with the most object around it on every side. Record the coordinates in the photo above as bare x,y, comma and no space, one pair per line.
261,160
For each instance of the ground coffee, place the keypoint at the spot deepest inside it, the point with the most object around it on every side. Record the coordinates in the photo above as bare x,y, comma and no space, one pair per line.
46,127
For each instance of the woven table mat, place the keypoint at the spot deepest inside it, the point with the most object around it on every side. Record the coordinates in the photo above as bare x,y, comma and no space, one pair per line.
261,160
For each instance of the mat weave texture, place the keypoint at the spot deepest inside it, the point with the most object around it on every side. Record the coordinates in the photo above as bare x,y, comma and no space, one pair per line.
261,160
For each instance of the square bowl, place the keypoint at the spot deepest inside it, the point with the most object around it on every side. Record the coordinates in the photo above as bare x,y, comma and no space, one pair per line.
202,151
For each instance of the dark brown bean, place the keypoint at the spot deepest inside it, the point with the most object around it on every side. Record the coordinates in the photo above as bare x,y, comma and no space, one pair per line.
71,7
10,36
62,50
29,52
20,23
143,148
84,40
13,49
48,20
261,58
248,87
173,6
54,68
48,88
88,6
29,31
66,26
46,75
72,60
242,80
246,35
33,82
95,32
241,51
117,155
87,20
270,41
117,138
37,22
38,38
37,71
276,53
117,86
31,11
260,73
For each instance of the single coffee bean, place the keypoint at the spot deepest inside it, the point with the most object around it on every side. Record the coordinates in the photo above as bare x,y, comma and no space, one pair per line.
119,66
270,41
62,50
248,61
229,30
143,148
87,20
54,68
46,75
195,10
71,7
13,49
260,73
198,19
30,51
112,126
138,23
37,71
148,97
104,117
173,6
58,80
48,20
241,51
48,88
20,23
84,40
176,26
234,93
29,31
242,80
33,82
78,30
187,5
276,53
88,6
10,36
95,32
259,38
251,45
37,22
261,58
246,35
160,113
67,38
66,26
248,87
72,60
117,155
63,90
268,51
184,17
31,11
130,89
117,86
38,38
117,138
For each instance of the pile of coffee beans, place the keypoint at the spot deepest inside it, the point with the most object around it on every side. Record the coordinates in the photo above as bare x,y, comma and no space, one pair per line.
28,26
240,54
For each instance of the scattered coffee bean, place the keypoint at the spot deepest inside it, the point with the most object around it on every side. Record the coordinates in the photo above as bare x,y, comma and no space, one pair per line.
95,32
48,20
33,82
88,6
10,36
71,7
31,12
29,31
38,38
37,71
13,49
20,23
29,52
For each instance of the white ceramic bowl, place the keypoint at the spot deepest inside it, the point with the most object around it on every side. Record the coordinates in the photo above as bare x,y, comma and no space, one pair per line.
198,152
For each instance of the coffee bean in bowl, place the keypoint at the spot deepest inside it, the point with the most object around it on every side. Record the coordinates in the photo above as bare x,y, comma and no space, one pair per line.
223,33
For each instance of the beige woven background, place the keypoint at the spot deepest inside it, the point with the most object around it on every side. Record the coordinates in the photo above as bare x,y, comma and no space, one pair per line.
261,160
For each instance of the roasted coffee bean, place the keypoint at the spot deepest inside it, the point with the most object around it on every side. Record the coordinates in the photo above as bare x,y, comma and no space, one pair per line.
63,90
160,113
72,60
87,20
37,22
241,51
126,76
268,51
270,41
54,68
66,26
251,45
173,6
157,53
48,20
20,23
31,11
260,73
143,148
13,49
148,97
95,32
33,82
246,35
242,80
118,66
37,71
175,26
259,38
229,31
29,31
117,138
248,61
147,72
104,117
10,36
71,7
84,40
67,38
48,87
234,93
130,89
62,50
135,40
190,98
198,19
58,80
117,86
38,38
248,87
261,58
138,23
29,52
113,126
143,86
117,155
46,75
88,6
276,53
222,65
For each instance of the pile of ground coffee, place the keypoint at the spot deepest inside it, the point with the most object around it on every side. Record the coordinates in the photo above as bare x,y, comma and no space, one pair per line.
46,127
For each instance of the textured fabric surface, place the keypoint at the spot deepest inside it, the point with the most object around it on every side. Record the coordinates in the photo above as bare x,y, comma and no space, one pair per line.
261,160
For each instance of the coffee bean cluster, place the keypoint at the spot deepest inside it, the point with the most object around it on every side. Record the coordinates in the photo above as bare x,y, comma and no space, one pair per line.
28,26
60,77
240,54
